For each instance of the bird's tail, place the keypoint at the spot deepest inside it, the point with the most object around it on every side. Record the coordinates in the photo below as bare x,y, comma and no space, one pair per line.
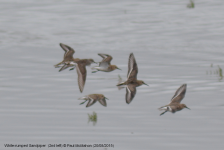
163,108
122,83
83,98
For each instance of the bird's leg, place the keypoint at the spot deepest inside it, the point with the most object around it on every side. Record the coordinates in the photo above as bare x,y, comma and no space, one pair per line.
163,113
57,65
82,102
64,67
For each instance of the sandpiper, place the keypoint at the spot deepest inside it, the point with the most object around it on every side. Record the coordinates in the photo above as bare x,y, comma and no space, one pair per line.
175,105
130,90
92,98
132,73
87,62
81,71
105,65
68,57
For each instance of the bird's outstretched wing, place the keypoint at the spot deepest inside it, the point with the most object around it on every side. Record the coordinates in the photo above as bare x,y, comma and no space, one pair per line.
132,68
130,93
81,71
68,51
106,58
179,95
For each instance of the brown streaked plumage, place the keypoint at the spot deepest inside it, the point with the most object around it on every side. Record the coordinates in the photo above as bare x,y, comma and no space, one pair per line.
132,73
105,65
92,98
175,105
81,71
68,57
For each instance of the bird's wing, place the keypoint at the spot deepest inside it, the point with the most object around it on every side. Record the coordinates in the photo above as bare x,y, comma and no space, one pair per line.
103,102
81,71
132,68
68,51
179,95
130,93
106,58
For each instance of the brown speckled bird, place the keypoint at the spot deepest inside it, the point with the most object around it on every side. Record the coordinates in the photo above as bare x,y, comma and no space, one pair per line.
132,73
105,65
92,98
68,57
175,105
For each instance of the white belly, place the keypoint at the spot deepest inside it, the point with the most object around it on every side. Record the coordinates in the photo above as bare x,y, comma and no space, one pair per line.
166,108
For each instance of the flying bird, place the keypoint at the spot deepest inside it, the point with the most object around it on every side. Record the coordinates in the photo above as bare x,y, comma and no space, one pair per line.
93,98
105,65
68,57
132,73
175,105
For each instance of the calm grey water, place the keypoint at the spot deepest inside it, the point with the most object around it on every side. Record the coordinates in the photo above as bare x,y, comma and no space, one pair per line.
172,45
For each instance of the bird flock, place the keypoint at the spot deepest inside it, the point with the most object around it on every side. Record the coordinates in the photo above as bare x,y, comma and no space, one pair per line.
105,65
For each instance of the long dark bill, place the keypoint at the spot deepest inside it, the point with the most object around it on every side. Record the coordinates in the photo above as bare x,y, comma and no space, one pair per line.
188,108
146,84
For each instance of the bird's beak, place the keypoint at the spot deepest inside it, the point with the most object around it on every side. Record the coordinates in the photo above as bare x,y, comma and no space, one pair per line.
146,84
106,98
188,108
118,68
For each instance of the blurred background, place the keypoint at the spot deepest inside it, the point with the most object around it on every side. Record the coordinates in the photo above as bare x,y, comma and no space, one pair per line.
174,42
